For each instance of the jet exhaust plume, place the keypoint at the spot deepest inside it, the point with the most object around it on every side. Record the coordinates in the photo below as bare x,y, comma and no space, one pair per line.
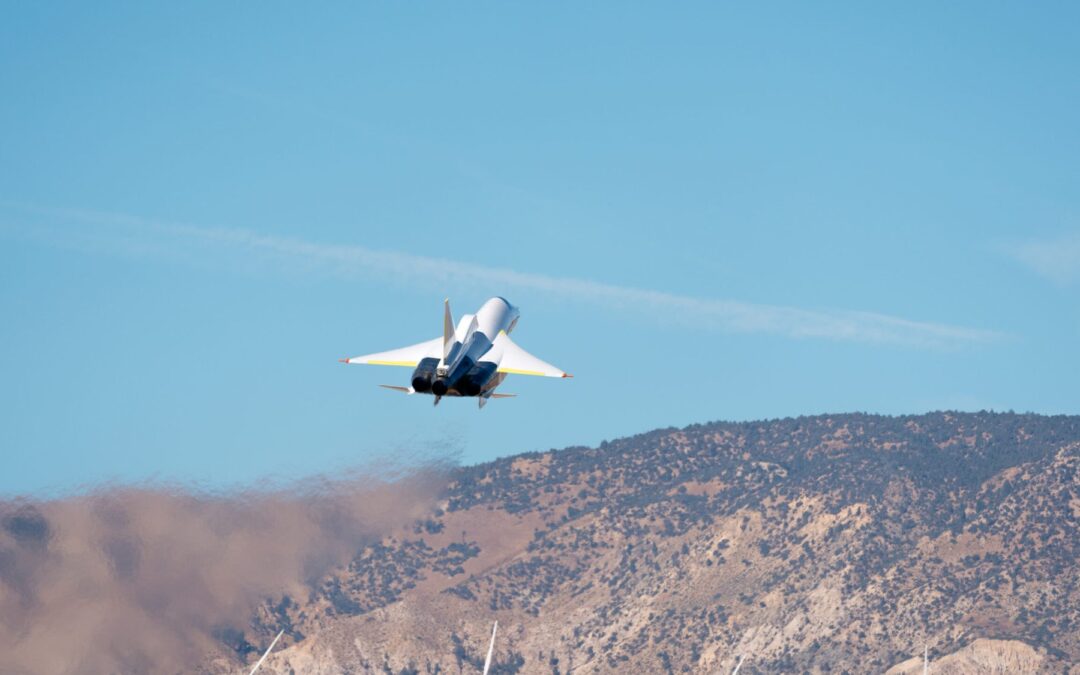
156,579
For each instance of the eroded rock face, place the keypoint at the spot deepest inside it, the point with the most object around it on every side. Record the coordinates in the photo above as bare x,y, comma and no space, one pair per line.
981,657
827,544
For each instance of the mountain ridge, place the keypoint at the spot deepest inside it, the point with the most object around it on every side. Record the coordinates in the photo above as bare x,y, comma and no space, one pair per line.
830,543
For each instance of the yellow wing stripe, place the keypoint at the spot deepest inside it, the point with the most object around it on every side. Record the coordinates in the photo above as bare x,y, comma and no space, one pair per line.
410,364
515,371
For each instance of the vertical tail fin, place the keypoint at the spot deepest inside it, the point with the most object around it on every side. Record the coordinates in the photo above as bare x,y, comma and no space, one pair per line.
448,329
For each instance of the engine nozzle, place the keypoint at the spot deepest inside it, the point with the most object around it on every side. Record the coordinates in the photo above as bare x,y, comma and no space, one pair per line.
439,387
421,384
424,374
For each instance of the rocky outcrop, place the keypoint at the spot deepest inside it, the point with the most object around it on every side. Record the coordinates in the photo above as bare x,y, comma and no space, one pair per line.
981,657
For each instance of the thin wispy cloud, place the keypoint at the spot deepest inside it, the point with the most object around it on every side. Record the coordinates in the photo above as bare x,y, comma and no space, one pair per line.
1056,259
141,237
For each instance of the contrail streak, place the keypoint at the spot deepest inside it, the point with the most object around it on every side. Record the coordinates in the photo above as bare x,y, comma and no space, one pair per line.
140,237
491,648
738,665
1056,259
267,652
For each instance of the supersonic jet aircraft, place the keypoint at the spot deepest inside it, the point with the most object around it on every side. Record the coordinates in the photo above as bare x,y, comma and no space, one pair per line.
469,360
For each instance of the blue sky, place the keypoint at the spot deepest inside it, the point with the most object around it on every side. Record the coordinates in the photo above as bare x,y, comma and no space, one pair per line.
707,212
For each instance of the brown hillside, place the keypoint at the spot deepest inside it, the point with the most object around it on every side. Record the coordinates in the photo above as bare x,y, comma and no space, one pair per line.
830,544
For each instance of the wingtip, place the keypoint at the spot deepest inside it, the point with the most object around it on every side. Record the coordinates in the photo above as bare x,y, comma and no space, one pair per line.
345,360
567,375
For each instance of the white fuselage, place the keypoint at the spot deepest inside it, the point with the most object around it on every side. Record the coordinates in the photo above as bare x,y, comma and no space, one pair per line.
494,316
473,340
